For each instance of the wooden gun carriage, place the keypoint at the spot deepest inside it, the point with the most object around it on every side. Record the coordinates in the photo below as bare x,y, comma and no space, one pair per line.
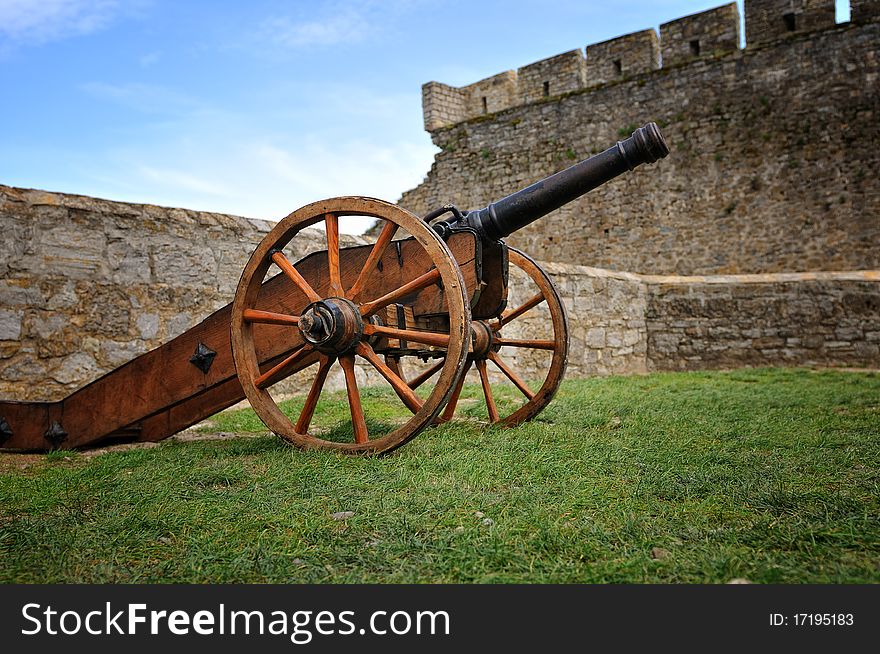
428,291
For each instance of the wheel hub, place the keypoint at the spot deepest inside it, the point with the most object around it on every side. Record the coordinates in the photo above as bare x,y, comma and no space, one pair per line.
482,339
333,325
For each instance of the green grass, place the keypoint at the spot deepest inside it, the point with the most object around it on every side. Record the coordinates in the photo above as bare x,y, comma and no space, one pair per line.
770,475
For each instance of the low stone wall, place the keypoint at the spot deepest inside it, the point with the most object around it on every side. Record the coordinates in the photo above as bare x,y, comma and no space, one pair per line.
729,321
606,313
88,284
624,323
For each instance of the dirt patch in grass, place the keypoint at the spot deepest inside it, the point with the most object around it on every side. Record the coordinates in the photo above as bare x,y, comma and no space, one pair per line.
11,462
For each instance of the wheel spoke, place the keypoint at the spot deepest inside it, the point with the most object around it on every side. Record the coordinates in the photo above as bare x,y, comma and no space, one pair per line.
532,302
487,391
534,345
283,369
269,318
404,392
288,269
425,376
423,281
358,422
331,226
511,375
394,364
426,338
449,411
375,255
308,410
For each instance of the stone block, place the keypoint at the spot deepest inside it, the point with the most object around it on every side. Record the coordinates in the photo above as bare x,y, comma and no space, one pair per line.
25,368
70,251
178,324
129,263
18,292
183,263
10,324
116,353
46,326
848,334
148,325
869,353
614,339
595,337
60,294
812,341
106,311
78,368
18,237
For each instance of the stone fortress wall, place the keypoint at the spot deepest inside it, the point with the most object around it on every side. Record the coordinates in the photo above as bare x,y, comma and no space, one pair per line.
774,164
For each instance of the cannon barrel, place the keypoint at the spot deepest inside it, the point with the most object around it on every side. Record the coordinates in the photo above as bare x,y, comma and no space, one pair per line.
502,218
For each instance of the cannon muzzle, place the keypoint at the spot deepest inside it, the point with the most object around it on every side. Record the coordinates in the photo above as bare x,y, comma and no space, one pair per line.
502,218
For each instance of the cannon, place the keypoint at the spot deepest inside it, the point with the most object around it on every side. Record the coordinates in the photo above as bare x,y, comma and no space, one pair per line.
422,305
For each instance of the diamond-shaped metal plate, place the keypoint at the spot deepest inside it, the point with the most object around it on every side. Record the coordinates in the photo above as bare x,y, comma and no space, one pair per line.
56,434
5,431
203,357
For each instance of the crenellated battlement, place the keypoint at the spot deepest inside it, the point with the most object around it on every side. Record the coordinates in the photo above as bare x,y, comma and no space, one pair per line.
769,20
622,57
553,76
704,35
709,33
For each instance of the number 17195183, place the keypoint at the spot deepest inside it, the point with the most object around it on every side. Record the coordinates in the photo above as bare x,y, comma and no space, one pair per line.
812,620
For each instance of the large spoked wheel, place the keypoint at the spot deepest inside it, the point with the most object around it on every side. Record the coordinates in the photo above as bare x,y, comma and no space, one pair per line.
545,312
327,312
533,335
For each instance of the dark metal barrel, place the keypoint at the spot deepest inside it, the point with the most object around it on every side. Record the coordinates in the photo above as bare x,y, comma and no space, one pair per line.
499,219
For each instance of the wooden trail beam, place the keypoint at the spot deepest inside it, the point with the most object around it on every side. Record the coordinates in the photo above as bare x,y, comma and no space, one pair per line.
191,377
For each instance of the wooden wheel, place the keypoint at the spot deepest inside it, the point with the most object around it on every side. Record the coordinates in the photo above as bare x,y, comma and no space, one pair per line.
499,342
330,315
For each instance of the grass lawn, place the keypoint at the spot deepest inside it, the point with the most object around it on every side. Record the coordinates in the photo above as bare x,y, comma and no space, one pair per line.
768,475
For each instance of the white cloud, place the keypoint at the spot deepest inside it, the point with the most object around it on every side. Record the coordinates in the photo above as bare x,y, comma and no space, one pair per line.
194,153
315,170
258,178
41,21
181,180
147,98
336,22
149,59
267,180
347,26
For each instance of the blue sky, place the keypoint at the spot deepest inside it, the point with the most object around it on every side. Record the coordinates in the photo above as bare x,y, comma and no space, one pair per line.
256,108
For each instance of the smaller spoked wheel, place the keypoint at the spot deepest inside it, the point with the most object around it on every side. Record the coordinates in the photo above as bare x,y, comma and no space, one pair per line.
327,308
518,358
